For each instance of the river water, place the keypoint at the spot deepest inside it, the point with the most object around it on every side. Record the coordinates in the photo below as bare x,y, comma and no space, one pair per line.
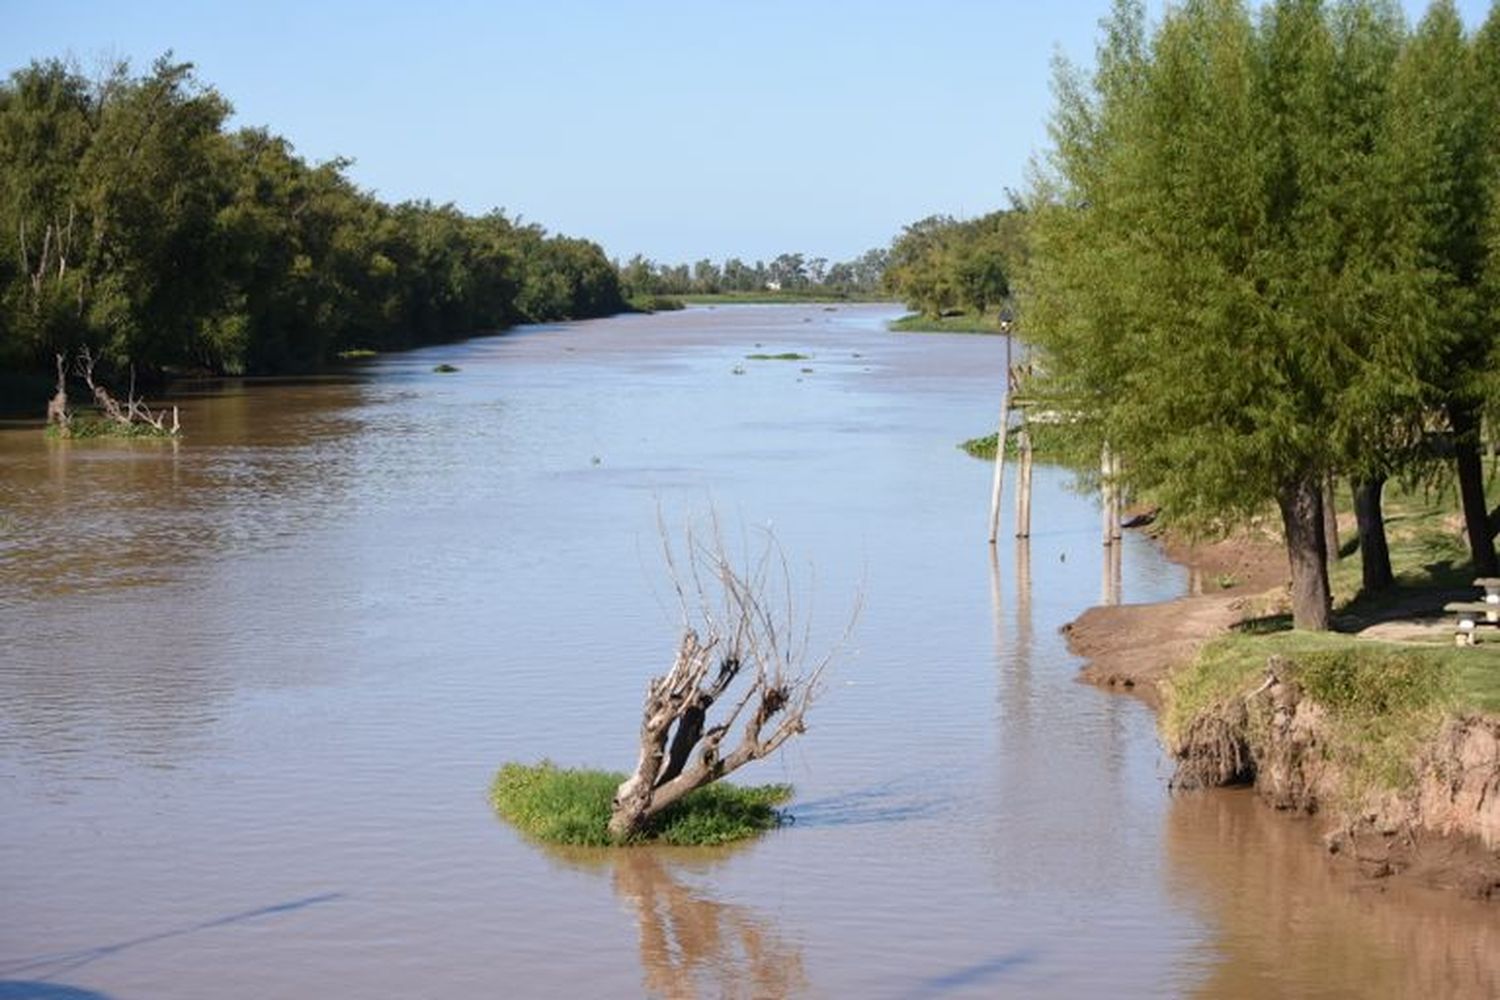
255,686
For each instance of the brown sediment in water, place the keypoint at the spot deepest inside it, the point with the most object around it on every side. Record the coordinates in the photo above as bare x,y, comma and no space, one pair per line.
1444,833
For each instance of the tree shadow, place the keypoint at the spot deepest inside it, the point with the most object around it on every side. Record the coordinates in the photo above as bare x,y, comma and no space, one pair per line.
28,989
58,963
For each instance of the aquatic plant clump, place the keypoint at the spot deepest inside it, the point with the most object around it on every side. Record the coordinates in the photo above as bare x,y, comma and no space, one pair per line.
572,806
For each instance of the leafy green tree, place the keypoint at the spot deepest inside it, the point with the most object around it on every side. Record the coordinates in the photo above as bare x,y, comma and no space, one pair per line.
1237,325
1445,97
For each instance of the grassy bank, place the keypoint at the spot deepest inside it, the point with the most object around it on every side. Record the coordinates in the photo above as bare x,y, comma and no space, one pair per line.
961,323
656,303
567,806
1384,699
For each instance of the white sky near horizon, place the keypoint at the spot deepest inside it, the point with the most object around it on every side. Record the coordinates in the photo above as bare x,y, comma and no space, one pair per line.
677,130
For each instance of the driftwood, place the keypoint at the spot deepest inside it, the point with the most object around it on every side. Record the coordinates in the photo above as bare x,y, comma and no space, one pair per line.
732,636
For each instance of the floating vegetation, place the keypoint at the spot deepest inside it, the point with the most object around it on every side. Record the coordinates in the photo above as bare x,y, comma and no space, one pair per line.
785,356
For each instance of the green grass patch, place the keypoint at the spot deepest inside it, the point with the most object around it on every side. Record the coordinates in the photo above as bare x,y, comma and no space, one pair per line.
656,303
1423,529
571,806
784,356
445,369
960,323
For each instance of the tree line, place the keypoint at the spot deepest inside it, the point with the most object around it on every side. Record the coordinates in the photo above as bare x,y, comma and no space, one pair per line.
1265,250
791,272
135,225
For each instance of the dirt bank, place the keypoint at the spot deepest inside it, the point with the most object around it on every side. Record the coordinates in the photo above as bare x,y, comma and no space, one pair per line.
1133,647
1443,832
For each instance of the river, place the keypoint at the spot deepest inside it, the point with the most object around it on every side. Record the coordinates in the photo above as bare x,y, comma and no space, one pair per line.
255,685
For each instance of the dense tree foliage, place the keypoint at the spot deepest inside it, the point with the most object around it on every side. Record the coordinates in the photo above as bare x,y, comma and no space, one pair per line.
1259,257
789,272
134,224
939,264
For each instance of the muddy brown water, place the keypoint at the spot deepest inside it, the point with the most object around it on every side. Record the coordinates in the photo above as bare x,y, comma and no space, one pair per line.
255,686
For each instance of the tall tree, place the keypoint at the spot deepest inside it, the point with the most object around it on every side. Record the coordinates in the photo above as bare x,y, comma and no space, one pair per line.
1237,326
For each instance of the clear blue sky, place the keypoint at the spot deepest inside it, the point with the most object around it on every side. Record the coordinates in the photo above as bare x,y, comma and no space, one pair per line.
677,130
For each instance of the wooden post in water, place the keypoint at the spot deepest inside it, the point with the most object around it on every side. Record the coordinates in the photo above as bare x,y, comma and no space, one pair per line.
1023,488
999,484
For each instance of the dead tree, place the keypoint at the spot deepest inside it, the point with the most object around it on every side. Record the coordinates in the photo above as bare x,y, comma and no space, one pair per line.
57,406
731,636
133,411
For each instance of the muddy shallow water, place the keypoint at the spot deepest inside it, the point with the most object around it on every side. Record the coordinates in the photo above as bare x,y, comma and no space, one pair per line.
255,685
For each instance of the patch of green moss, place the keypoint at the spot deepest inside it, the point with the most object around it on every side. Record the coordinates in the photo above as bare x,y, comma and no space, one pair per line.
571,806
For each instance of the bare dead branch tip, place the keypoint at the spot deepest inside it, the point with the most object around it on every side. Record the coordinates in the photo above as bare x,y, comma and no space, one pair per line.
738,625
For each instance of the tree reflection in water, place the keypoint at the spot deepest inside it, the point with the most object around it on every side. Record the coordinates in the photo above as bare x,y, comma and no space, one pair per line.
691,944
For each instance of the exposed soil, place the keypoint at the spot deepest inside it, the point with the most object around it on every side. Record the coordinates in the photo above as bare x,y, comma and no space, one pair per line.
1419,841
1133,647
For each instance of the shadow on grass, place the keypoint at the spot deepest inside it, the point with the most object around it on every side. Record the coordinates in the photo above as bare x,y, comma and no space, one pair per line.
1265,625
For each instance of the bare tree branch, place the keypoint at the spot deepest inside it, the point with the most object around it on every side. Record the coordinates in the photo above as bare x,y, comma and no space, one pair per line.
733,635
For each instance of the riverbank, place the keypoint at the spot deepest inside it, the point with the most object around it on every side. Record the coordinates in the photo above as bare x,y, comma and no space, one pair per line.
959,323
1404,787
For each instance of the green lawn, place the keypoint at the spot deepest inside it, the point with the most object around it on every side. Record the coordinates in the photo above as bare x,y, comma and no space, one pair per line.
1431,563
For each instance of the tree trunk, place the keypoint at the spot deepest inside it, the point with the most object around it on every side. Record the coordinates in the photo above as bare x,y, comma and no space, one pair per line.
1330,521
1301,505
1374,553
1465,425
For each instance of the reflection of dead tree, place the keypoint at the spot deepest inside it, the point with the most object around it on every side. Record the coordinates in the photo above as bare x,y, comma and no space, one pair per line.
730,635
685,936
131,413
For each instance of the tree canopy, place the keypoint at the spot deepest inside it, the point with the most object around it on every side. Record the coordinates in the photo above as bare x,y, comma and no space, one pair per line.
134,224
1256,256
938,264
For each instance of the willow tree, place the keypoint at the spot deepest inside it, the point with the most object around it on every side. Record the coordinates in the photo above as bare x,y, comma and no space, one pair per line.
1448,100
1221,283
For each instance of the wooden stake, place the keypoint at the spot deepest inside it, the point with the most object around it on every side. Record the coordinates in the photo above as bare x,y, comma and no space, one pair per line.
998,486
1023,488
1106,494
1117,498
